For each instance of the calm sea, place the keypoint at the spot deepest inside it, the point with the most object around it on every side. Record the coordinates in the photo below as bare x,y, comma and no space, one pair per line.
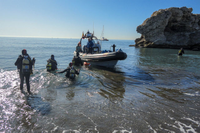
153,90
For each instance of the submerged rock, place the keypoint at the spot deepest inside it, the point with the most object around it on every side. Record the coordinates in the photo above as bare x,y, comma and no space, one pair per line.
170,28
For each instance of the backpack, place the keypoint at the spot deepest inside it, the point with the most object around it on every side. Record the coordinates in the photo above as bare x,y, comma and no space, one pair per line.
49,65
26,65
72,73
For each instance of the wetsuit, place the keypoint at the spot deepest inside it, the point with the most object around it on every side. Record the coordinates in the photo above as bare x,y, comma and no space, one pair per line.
53,64
68,72
22,74
181,52
77,61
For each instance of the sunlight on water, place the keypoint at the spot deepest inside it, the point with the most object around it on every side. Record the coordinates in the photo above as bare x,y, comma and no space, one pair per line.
153,90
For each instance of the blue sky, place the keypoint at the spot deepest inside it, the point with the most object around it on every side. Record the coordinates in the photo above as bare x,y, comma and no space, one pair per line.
68,18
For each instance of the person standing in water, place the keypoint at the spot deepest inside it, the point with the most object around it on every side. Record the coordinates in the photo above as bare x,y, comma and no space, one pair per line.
24,66
77,60
51,64
180,52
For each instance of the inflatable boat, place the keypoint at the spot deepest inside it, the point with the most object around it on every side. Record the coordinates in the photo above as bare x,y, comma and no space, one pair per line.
96,57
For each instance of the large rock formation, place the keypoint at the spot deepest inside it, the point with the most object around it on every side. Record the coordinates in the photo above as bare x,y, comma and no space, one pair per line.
170,28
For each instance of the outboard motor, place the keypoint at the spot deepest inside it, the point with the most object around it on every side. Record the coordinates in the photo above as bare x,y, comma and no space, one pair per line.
113,47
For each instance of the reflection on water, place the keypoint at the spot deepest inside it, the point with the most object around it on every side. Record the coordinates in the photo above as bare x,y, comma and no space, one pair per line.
153,90
37,104
112,83
101,100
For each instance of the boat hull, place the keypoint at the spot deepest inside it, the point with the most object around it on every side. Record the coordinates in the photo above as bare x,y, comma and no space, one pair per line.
108,64
108,59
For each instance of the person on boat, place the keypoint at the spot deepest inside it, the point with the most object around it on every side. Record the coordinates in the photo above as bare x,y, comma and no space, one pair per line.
70,71
51,64
24,66
180,52
84,48
96,47
89,45
79,48
77,60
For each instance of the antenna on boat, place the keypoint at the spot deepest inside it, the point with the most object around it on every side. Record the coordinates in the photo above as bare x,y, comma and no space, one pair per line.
102,34
93,28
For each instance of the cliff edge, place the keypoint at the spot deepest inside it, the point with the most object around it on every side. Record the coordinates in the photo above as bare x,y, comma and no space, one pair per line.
170,28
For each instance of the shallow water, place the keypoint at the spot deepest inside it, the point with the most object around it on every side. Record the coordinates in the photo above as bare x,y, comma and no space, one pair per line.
153,90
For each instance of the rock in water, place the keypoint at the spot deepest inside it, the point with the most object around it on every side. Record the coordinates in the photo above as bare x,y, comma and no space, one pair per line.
170,28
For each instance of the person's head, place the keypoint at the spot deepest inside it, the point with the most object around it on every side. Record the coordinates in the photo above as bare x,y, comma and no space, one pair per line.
24,52
52,57
70,64
89,39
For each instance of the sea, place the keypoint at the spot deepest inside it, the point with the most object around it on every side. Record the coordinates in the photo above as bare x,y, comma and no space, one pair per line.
152,91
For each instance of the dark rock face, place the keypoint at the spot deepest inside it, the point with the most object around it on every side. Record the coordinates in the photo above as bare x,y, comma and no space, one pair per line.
170,28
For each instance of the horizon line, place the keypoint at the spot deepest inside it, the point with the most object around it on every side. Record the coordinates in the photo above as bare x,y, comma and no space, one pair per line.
53,37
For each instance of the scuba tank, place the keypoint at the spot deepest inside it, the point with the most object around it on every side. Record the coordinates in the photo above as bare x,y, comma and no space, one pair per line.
72,73
48,66
25,65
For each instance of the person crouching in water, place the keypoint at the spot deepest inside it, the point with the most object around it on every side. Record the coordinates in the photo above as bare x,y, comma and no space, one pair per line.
51,64
24,66
70,71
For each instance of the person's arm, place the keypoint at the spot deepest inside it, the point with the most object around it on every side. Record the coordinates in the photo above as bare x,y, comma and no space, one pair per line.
63,71
18,60
29,58
33,61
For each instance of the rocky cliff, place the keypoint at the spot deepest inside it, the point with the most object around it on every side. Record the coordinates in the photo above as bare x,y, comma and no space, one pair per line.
170,28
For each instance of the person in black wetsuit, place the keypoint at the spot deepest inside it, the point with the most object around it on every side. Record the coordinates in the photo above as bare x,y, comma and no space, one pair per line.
24,66
70,71
180,52
51,64
77,60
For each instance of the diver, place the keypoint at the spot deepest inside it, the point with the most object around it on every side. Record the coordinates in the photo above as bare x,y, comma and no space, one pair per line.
77,60
70,71
180,52
51,64
24,66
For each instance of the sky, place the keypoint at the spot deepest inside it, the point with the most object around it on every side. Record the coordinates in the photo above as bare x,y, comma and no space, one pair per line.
69,18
